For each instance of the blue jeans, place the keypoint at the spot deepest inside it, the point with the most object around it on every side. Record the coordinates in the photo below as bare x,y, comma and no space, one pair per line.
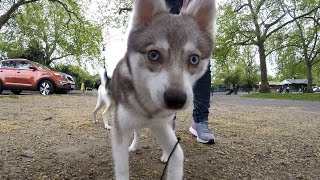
202,88
201,102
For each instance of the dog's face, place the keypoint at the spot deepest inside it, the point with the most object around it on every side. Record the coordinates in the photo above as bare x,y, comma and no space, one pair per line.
169,53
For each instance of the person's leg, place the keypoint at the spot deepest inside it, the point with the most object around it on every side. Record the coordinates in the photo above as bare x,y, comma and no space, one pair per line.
201,94
201,102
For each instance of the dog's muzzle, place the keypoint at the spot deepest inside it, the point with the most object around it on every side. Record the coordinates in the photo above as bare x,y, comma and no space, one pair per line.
174,99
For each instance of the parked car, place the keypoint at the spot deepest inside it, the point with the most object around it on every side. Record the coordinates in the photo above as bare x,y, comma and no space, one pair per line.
22,74
316,89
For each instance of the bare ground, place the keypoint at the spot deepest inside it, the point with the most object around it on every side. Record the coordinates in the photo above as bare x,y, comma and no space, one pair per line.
53,137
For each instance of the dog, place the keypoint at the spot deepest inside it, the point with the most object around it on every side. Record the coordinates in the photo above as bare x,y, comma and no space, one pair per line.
166,54
103,99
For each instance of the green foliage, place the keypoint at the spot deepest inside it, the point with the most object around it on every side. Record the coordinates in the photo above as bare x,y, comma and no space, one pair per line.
289,96
300,54
261,24
61,33
79,75
34,52
116,13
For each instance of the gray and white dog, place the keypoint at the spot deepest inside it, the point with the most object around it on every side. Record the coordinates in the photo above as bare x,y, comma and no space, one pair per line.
103,99
166,54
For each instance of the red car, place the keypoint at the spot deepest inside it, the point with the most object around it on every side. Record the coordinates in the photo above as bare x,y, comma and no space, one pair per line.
21,74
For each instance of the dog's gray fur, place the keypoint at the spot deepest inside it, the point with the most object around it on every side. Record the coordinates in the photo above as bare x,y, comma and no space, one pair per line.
140,85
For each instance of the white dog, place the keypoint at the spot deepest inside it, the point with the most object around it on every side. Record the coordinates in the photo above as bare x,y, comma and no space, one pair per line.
166,55
103,99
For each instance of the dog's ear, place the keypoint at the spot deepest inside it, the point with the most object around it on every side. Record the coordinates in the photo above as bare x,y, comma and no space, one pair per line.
144,11
204,11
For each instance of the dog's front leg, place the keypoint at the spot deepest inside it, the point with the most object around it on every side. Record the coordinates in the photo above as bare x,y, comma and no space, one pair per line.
120,153
167,140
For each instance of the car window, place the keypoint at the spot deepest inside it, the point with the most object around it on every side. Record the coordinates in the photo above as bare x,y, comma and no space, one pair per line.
8,64
24,65
40,66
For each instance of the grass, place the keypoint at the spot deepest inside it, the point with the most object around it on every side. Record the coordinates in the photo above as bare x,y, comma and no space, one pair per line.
290,96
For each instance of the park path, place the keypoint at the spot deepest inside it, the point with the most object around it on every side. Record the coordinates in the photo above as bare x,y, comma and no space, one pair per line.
221,99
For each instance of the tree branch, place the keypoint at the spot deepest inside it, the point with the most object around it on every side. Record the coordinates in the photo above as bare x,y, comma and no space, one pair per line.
292,20
268,26
295,65
6,16
124,9
241,7
280,48
63,56
247,42
315,41
260,4
65,6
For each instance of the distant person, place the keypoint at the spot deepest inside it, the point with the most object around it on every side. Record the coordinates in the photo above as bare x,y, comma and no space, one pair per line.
82,87
230,91
281,89
212,90
235,89
300,89
288,89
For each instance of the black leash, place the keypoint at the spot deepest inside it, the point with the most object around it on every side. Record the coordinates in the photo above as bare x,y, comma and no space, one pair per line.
165,167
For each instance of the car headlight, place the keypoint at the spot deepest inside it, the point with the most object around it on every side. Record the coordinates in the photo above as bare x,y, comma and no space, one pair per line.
61,75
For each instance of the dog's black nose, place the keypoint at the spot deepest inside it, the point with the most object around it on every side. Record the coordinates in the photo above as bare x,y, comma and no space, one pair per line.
174,99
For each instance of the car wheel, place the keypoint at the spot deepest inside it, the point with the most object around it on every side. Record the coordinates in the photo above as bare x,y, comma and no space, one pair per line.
16,91
46,87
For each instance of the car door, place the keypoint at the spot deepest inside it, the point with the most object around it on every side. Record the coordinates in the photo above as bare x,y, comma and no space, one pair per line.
8,73
25,76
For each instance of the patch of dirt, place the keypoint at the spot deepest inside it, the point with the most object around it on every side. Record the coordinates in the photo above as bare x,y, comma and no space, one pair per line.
52,137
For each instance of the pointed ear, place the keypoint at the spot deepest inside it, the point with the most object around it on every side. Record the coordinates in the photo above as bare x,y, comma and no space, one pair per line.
204,12
144,11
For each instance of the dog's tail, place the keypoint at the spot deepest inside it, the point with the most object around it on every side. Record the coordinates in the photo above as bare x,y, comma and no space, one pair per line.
105,80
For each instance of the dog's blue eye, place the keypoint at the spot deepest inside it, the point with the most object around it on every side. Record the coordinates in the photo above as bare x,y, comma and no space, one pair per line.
153,55
194,59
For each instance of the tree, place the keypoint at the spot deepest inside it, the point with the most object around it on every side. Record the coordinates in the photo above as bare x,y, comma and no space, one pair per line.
254,22
60,33
34,52
304,38
79,75
10,7
235,65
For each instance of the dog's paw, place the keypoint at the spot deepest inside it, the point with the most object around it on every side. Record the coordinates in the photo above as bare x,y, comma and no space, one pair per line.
132,149
107,127
164,158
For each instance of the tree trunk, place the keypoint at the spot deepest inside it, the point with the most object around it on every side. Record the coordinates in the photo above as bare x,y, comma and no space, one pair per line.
309,76
264,86
48,61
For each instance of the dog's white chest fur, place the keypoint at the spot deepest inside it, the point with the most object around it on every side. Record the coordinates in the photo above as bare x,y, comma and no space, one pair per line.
133,120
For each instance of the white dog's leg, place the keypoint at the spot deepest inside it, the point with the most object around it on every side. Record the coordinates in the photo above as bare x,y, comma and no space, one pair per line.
167,140
99,105
105,117
120,144
136,140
